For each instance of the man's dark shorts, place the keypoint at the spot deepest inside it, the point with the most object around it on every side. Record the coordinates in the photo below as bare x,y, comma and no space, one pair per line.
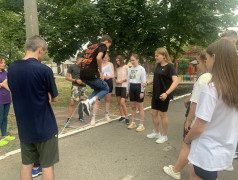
47,153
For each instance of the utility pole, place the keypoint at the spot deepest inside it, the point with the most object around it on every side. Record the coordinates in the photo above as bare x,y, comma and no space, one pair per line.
31,18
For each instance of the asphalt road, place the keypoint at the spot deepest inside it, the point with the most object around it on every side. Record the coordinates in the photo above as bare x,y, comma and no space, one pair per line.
112,152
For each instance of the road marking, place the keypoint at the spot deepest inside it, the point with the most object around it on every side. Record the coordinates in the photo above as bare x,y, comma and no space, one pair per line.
128,177
84,128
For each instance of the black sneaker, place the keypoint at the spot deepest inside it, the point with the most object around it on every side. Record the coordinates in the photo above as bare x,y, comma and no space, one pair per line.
127,121
121,119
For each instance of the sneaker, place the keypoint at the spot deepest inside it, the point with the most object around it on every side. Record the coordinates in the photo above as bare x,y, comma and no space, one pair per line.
140,128
36,172
153,135
68,123
3,142
86,107
93,123
231,168
169,171
127,121
82,121
108,119
121,119
9,138
162,139
132,125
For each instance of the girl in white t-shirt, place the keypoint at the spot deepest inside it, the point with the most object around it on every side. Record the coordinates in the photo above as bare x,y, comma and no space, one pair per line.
136,79
204,79
214,134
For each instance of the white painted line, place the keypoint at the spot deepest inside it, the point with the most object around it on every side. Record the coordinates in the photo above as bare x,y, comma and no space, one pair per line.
83,128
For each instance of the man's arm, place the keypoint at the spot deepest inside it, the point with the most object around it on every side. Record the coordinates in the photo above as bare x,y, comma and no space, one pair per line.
99,61
69,78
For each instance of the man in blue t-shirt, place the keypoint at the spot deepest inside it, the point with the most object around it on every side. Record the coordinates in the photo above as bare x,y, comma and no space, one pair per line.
33,88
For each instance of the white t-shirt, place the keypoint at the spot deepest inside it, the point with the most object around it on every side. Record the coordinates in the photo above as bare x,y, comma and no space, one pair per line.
215,148
199,85
136,75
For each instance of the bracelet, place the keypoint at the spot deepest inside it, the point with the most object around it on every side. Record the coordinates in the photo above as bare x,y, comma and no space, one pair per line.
186,143
75,80
166,93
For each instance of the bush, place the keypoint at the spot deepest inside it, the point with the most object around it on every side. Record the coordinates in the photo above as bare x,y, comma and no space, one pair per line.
183,66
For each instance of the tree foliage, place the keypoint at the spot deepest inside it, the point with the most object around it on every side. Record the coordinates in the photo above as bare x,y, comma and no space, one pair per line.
135,26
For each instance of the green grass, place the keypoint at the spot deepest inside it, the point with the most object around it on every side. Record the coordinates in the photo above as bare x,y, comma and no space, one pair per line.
64,90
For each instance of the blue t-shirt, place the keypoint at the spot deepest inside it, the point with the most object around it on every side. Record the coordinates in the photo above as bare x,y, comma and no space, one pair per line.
29,82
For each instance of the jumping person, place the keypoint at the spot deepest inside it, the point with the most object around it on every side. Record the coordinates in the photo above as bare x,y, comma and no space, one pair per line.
91,72
164,83
33,87
109,74
136,91
212,147
78,90
5,102
205,77
121,84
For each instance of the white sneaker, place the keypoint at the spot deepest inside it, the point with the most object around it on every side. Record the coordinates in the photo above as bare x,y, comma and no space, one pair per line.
86,107
169,171
93,122
153,135
231,168
108,119
162,139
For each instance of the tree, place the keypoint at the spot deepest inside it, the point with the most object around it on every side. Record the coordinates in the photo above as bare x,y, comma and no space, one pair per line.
135,26
12,34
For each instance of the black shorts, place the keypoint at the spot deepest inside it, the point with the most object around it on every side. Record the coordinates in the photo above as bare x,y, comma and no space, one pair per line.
159,105
205,175
121,92
110,84
135,90
46,153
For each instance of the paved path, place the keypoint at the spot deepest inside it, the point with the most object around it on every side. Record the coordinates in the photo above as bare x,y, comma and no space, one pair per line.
112,152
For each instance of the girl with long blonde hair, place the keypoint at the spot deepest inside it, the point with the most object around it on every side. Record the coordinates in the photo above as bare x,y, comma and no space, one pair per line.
212,146
164,83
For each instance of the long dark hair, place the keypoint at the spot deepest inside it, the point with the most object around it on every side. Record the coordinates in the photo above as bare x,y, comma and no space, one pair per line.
122,63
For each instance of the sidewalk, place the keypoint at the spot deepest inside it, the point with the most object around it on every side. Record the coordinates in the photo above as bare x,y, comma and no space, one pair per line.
112,152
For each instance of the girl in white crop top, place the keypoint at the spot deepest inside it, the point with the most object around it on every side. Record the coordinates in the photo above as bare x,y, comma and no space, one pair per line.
108,73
